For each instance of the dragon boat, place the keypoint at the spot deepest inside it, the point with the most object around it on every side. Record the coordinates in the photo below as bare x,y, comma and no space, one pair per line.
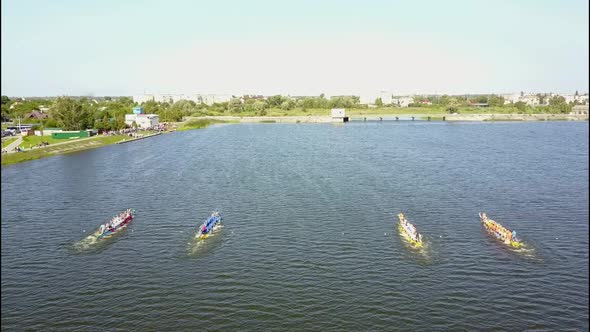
500,232
409,232
116,224
212,224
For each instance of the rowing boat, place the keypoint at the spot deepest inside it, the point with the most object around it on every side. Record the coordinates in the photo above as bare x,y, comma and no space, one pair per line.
500,232
125,218
409,232
213,223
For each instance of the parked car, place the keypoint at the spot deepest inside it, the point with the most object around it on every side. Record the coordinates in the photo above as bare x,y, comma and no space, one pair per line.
7,133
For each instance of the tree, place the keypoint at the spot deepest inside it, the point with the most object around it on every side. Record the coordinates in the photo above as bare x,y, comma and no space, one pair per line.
497,101
259,106
275,101
379,102
558,103
481,99
235,105
520,106
5,100
71,114
300,103
288,105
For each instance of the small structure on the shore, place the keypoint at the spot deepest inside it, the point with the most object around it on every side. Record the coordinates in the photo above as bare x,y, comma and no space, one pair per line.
339,115
580,110
143,121
73,134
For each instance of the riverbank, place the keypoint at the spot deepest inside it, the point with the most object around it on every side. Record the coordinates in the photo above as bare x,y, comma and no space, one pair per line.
60,148
401,116
93,142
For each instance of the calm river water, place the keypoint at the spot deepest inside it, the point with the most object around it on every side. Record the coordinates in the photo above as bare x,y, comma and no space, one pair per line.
310,240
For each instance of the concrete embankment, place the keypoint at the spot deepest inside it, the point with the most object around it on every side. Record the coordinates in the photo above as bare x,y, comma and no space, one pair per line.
138,138
277,119
516,117
374,117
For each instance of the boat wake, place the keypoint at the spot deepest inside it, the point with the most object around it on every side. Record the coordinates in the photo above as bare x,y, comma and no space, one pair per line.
204,244
93,244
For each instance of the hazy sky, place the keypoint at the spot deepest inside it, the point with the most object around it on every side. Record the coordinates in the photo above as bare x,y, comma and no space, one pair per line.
303,47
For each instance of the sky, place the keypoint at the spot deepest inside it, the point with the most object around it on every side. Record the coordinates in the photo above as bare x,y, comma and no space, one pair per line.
305,47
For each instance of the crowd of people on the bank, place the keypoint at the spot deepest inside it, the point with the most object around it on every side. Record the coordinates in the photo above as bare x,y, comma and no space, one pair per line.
115,222
21,149
134,132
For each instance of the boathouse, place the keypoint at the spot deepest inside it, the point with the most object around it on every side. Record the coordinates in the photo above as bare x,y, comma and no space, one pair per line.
339,115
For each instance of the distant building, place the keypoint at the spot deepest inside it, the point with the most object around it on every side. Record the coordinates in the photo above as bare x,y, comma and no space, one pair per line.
36,115
47,131
402,101
386,97
140,99
580,110
143,121
531,100
510,98
207,99
210,99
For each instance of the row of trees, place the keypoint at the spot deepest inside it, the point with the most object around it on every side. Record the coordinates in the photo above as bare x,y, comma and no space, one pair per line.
491,100
71,114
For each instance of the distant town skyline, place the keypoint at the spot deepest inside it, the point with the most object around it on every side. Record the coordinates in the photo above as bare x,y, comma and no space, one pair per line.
126,48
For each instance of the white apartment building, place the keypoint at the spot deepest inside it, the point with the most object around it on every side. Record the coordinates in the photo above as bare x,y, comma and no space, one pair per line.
208,99
531,100
510,98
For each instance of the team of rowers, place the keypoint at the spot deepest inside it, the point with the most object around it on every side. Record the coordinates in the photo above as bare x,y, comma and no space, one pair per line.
203,227
500,231
410,229
115,222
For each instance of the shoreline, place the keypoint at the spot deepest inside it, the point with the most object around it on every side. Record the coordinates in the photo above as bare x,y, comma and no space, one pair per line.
392,117
205,121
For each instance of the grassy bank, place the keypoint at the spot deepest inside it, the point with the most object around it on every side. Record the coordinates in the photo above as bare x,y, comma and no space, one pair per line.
198,124
6,142
29,141
74,146
77,145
